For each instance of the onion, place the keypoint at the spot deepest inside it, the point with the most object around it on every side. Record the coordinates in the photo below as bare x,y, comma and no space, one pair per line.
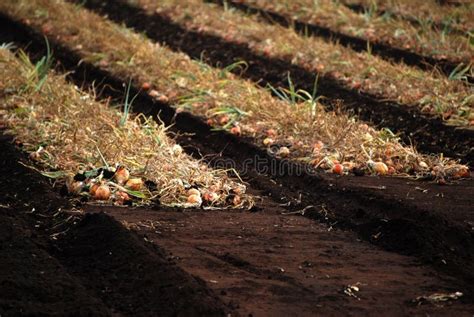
122,175
177,149
210,197
268,141
134,183
75,187
338,169
93,189
237,200
423,165
239,189
154,93
194,191
146,86
380,168
195,200
102,192
283,151
223,120
271,133
122,197
235,130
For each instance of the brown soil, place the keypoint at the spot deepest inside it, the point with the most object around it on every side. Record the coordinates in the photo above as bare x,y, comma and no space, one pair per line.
56,263
195,262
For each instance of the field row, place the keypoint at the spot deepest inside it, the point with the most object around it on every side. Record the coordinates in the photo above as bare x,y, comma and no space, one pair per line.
421,38
302,130
157,127
99,151
429,92
454,17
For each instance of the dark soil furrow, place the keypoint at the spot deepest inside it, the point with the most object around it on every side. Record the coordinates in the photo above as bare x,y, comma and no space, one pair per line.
358,44
143,281
32,283
269,264
93,266
429,134
437,218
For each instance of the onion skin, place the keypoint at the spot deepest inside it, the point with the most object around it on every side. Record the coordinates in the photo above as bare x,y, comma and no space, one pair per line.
210,197
194,199
235,130
338,169
134,184
194,191
122,175
102,192
283,151
268,141
380,168
93,189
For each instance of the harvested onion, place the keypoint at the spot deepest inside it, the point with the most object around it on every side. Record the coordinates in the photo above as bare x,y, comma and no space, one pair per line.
283,151
210,196
338,169
134,183
122,197
194,199
268,141
146,86
75,187
235,130
102,192
380,168
122,175
194,191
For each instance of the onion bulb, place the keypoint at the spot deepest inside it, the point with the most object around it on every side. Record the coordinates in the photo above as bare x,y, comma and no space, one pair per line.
122,197
210,197
380,168
134,183
237,200
194,199
235,130
283,151
93,189
122,175
75,187
271,133
338,169
177,149
146,86
268,141
102,192
194,191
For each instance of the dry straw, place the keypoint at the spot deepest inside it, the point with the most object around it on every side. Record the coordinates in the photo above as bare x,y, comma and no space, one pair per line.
67,131
296,122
